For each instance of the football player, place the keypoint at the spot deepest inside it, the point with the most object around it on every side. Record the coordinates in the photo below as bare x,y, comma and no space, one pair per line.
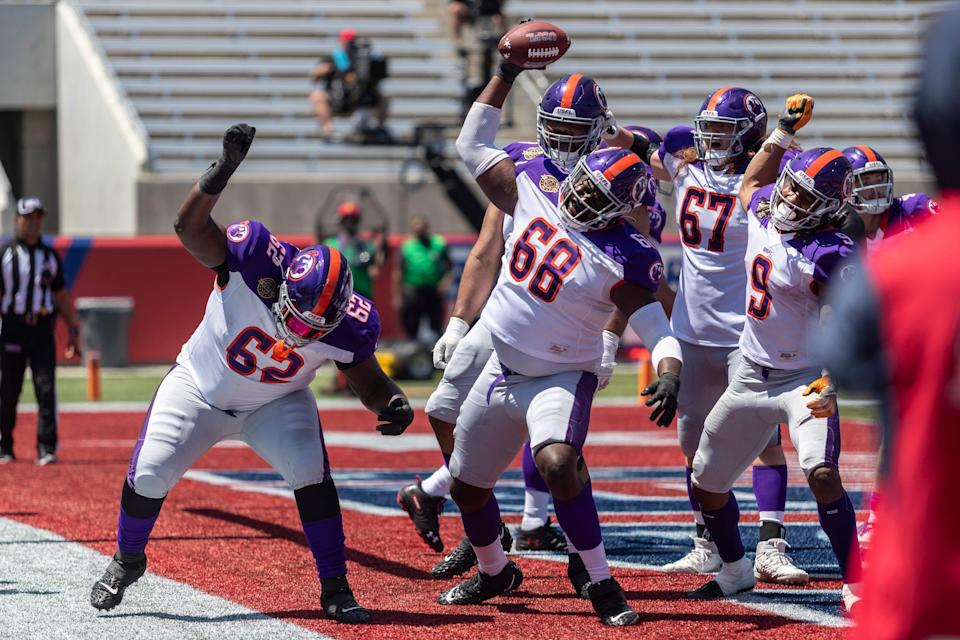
883,216
275,314
792,255
568,264
565,133
706,166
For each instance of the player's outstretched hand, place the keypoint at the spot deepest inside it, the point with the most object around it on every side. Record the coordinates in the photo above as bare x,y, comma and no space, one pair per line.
848,221
396,416
663,393
824,404
797,112
236,144
447,344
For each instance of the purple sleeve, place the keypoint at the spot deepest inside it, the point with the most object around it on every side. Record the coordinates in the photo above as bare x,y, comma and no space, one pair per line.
256,254
521,152
658,220
644,267
358,333
918,206
834,249
761,194
677,138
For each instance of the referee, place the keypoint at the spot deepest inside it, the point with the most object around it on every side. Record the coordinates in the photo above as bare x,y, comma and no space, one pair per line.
32,293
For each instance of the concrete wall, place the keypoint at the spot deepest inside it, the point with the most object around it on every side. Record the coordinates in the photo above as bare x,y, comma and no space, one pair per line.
287,205
27,55
102,143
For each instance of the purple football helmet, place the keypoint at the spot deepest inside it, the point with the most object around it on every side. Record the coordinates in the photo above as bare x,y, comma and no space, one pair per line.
731,122
602,187
572,100
812,186
871,180
314,295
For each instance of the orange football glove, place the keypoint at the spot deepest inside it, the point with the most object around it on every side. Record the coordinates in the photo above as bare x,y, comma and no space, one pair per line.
824,404
797,113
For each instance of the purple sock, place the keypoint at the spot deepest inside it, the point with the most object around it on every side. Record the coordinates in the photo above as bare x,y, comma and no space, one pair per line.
724,527
579,518
134,533
446,459
531,475
483,527
694,503
326,541
839,522
770,488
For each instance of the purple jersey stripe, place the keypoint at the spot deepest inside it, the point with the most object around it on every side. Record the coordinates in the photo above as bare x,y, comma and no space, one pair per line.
579,421
132,469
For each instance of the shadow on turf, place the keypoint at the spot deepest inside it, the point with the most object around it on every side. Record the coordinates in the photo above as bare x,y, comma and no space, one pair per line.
391,617
368,560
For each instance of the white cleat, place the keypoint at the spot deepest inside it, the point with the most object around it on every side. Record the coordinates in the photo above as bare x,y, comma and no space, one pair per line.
734,577
850,594
703,559
772,564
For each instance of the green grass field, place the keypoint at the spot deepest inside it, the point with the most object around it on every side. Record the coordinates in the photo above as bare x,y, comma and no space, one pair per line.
138,385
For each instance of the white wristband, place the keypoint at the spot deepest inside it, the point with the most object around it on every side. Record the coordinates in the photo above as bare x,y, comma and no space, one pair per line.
780,138
475,144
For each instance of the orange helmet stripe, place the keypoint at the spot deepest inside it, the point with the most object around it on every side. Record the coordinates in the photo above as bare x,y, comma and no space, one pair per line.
620,166
715,98
566,100
333,275
867,151
821,162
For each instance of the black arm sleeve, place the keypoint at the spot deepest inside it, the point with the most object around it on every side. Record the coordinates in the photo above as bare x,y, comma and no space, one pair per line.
642,147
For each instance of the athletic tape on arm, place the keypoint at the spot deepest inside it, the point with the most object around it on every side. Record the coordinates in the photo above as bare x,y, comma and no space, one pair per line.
651,324
475,144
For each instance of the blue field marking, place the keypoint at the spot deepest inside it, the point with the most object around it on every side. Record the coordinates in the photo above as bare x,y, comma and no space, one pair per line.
639,543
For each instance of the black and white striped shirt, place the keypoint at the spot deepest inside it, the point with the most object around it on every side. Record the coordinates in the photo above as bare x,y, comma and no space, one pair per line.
29,276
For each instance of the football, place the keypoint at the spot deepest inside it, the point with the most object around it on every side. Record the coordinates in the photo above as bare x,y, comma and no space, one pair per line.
534,45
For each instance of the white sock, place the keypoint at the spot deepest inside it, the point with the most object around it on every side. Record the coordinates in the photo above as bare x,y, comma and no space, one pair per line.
491,558
571,548
438,484
595,560
535,505
775,516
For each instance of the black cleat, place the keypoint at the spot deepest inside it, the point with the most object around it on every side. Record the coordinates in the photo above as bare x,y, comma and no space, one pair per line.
108,591
462,559
545,538
424,510
578,575
338,602
610,604
482,587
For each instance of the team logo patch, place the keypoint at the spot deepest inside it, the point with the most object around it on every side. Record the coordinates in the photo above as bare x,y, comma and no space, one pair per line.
549,184
532,152
848,271
656,271
238,232
753,105
302,266
933,206
267,288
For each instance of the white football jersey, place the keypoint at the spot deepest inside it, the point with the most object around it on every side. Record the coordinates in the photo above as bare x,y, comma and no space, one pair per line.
785,272
552,299
713,234
235,355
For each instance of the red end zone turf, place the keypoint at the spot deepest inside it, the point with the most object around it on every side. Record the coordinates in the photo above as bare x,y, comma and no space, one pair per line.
247,546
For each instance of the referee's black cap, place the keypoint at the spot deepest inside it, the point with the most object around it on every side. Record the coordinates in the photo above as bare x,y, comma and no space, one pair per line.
26,206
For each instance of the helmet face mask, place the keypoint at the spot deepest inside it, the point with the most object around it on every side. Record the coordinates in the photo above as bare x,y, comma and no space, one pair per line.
587,202
558,137
871,189
298,326
718,140
796,204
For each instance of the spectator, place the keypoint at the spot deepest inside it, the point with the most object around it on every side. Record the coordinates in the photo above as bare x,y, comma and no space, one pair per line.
487,14
365,257
348,80
33,293
424,273
895,335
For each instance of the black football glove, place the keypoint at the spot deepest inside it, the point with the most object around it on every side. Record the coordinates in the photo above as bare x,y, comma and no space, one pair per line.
236,143
847,221
508,72
663,393
797,112
396,417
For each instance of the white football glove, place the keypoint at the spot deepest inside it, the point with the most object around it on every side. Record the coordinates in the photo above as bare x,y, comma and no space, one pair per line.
447,344
611,342
609,128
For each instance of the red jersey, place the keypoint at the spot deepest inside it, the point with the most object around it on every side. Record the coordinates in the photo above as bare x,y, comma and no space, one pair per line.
912,585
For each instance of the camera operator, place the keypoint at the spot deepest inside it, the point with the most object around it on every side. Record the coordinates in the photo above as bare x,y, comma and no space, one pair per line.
348,82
